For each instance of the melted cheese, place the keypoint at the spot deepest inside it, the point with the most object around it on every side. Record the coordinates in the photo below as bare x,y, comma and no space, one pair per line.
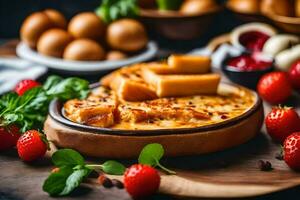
165,113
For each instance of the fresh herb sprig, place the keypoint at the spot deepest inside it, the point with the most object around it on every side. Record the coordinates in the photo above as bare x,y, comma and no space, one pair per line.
111,10
73,170
29,111
152,154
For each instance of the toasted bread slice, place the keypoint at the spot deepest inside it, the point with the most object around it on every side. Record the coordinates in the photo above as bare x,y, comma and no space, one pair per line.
181,85
129,85
97,110
188,64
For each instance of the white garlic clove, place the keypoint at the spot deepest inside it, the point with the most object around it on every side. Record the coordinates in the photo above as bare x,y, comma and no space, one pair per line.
286,58
278,43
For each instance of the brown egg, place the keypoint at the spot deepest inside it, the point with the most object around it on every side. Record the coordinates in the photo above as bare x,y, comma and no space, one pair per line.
87,25
245,6
284,8
57,18
84,49
127,35
33,27
53,42
115,55
195,7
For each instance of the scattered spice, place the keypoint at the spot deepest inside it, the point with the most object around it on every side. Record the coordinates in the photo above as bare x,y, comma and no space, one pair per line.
264,165
105,181
279,156
224,117
117,183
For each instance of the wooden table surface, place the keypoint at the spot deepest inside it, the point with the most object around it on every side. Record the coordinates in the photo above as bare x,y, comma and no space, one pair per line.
20,181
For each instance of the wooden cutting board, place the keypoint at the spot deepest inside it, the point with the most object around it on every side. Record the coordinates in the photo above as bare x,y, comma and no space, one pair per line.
232,173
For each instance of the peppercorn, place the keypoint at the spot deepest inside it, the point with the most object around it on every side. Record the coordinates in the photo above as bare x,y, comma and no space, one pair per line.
105,181
264,165
117,183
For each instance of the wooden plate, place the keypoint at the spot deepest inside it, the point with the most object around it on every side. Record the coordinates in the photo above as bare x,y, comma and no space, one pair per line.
104,142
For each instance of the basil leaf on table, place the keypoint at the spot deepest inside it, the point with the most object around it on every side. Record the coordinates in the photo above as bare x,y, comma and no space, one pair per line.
67,157
74,180
56,182
151,154
113,167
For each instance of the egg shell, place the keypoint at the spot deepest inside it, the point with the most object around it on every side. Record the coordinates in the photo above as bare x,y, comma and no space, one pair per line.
127,35
53,42
87,25
84,50
57,18
195,7
33,27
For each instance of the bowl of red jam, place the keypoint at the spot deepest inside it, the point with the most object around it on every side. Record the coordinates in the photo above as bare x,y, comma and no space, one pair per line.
247,68
253,40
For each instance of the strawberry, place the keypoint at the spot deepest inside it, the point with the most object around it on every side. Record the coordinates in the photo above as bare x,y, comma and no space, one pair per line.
141,180
291,149
294,75
9,137
25,85
281,122
274,87
31,146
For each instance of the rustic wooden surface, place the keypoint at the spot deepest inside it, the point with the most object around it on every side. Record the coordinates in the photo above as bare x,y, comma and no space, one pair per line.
234,168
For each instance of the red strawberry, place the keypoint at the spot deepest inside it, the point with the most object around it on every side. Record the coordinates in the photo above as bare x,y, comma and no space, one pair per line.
281,122
294,75
25,85
31,146
9,137
292,151
274,87
141,180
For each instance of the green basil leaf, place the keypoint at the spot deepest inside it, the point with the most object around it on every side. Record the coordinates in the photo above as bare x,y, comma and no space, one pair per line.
67,157
56,182
151,154
111,10
69,88
52,81
74,180
9,101
113,167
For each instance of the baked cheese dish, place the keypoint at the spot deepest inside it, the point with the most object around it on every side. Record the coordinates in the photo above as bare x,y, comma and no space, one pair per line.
140,98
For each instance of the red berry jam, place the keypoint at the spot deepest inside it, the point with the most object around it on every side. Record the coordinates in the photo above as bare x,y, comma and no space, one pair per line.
248,63
253,40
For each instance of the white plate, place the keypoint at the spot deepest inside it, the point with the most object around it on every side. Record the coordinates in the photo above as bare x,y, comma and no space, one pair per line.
83,67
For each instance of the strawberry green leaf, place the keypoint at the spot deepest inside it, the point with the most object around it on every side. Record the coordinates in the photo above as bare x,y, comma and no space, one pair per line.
151,154
67,157
74,180
113,167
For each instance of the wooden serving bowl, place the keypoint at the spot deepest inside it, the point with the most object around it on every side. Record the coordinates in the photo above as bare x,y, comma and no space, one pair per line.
247,15
177,26
287,24
112,143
